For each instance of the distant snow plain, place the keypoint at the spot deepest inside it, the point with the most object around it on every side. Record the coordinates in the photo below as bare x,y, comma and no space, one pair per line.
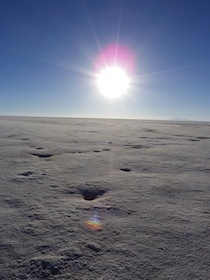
150,181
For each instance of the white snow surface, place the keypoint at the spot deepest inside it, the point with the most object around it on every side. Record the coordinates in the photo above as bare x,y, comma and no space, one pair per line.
150,181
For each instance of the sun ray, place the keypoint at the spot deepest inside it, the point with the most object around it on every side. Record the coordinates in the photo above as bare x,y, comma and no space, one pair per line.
70,67
93,29
140,77
118,31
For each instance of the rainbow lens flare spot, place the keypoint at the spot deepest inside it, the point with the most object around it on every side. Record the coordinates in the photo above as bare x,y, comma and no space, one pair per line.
94,223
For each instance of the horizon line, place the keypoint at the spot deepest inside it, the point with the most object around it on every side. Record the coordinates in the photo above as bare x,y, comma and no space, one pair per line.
175,119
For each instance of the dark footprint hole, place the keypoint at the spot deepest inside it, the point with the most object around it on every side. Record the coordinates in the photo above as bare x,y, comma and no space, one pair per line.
42,155
125,169
91,194
50,266
137,146
27,173
202,137
97,151
39,148
194,140
150,130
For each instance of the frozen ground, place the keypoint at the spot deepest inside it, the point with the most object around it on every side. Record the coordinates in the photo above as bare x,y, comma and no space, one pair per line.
150,181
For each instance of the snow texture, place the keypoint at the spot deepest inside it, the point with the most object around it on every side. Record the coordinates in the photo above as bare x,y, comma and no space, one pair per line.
149,181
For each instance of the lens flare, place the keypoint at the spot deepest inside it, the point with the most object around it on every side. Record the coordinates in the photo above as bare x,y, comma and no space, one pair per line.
114,66
94,222
116,55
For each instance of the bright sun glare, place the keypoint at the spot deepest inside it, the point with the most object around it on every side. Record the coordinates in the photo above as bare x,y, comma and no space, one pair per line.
113,82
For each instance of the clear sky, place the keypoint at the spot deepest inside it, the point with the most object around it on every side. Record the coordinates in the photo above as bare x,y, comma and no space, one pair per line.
48,51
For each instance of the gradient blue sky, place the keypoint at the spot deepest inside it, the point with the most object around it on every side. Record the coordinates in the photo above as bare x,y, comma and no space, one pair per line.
47,50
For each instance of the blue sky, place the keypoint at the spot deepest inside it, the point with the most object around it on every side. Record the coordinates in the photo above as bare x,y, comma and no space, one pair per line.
48,49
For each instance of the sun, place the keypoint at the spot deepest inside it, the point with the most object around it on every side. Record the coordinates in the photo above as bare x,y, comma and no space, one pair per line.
113,81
